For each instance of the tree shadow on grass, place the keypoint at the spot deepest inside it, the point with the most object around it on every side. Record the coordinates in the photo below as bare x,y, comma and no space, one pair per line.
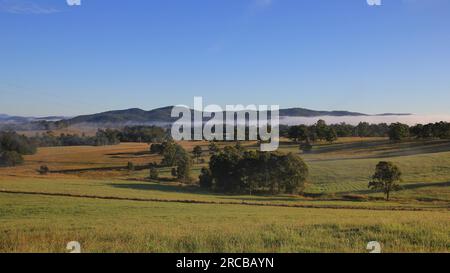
385,149
155,187
411,186
265,198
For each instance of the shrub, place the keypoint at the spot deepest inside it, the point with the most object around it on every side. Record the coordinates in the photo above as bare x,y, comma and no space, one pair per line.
154,173
43,170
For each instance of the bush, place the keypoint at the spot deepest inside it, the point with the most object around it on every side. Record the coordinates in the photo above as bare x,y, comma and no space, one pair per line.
154,173
10,159
43,170
156,148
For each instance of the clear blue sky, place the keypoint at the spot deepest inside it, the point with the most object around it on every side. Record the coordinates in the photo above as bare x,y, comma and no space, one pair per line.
319,54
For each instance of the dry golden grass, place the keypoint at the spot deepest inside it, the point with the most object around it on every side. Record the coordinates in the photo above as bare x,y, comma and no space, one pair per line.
37,223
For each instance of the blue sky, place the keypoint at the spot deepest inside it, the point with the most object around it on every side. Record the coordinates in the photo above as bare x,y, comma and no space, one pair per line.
319,54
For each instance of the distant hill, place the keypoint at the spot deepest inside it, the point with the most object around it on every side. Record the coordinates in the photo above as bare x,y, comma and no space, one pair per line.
17,119
133,115
162,115
159,116
302,112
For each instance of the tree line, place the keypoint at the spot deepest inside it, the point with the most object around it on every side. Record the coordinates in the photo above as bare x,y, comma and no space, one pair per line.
395,131
146,134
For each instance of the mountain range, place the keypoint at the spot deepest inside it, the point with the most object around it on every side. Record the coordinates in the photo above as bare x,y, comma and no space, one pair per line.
157,116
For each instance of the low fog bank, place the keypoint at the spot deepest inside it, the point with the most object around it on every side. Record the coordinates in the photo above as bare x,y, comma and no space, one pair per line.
354,120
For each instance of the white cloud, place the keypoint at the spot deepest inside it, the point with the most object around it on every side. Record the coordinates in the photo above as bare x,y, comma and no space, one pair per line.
25,7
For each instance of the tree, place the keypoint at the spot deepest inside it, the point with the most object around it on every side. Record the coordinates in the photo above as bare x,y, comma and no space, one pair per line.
156,148
386,177
11,141
331,135
130,166
321,129
154,173
10,159
233,172
205,178
292,171
176,156
197,152
298,133
43,170
213,148
398,131
363,129
170,152
107,137
183,163
223,166
140,133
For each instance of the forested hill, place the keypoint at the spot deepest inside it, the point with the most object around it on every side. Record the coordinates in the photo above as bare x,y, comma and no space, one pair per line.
162,115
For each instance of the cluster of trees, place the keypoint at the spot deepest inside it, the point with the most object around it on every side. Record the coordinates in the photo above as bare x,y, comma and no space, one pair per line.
330,133
101,138
146,134
176,156
439,130
12,147
318,131
395,131
363,129
234,170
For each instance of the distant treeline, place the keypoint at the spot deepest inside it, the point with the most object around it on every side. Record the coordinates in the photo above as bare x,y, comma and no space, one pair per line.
147,134
395,131
13,146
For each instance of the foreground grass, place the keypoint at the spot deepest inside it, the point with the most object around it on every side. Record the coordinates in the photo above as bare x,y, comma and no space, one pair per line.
36,223
46,224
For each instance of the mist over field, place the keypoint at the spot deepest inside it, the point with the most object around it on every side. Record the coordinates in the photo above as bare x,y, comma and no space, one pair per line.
354,120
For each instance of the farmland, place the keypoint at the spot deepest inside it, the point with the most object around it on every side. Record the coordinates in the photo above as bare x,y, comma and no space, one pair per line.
337,212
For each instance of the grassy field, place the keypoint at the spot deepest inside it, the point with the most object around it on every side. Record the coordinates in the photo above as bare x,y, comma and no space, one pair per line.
337,212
